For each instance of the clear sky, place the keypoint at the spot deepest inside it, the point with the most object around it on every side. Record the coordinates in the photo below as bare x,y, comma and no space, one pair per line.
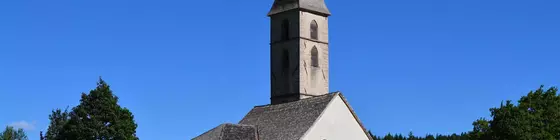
185,66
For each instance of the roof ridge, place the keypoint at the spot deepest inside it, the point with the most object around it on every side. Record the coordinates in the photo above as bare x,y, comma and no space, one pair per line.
305,99
221,126
321,114
287,120
236,124
355,115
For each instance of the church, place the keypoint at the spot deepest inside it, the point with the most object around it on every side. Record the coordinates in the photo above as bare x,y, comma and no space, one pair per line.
301,107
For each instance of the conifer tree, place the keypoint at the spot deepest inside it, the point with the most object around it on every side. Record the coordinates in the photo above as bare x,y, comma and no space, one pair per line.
10,133
98,116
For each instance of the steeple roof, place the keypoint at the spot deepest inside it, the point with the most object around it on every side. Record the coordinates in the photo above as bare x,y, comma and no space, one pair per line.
315,6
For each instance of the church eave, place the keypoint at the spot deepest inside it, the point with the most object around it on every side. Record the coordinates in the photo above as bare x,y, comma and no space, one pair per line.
274,12
316,7
354,114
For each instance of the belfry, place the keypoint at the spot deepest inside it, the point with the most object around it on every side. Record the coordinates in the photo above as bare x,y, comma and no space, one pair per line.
301,106
299,50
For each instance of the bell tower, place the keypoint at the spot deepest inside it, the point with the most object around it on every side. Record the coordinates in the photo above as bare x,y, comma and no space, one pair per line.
299,50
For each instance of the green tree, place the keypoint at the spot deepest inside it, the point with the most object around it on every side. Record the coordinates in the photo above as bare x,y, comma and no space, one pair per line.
58,119
536,116
97,117
10,133
481,130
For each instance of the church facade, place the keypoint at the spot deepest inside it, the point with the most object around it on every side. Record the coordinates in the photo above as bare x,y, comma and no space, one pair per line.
301,106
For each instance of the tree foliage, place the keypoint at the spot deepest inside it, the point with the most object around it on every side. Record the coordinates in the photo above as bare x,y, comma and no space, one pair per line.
97,117
58,119
535,117
410,136
10,133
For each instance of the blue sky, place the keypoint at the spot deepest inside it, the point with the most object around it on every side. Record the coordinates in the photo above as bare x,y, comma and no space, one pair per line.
184,67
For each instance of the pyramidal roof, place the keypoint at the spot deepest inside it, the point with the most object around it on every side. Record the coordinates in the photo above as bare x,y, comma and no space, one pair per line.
314,6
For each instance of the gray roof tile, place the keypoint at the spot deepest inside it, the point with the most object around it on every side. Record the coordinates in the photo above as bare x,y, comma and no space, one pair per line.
287,121
230,132
317,6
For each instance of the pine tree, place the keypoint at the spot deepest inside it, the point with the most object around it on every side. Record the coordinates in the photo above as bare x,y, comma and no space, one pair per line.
98,117
10,133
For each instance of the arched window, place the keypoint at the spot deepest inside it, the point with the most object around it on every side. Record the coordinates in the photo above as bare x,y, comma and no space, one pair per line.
285,35
314,30
314,57
285,59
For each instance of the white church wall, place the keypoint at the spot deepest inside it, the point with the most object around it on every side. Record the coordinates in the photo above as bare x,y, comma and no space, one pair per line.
336,123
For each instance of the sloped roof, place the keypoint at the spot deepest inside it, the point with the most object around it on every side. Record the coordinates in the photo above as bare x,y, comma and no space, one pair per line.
230,132
316,6
355,116
287,121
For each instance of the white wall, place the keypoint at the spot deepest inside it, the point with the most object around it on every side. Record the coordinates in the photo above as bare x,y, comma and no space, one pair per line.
336,123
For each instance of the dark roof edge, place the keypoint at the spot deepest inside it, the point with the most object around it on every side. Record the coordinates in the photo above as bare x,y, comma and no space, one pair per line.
354,114
298,100
300,9
219,126
320,115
